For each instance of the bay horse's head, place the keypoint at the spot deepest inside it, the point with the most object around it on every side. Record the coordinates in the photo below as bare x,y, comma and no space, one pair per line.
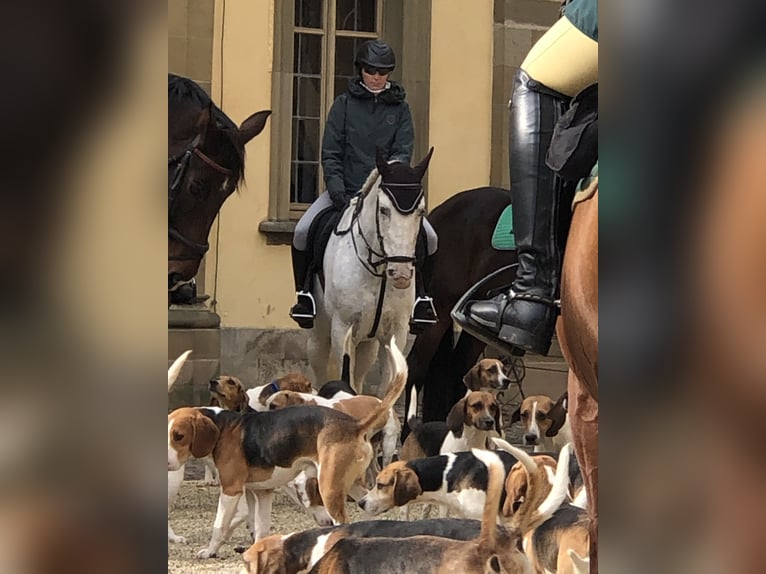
206,161
400,207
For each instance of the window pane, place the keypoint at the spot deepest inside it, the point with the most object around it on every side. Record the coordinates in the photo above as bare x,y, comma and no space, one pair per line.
308,13
303,183
356,15
345,52
306,96
307,54
306,140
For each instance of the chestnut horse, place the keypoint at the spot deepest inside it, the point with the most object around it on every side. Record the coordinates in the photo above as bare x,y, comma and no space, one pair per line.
577,331
206,163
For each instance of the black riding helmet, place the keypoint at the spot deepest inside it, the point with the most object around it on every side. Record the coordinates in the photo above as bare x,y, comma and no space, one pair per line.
375,54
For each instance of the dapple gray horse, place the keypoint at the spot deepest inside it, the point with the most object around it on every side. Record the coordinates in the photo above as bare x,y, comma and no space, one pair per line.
369,272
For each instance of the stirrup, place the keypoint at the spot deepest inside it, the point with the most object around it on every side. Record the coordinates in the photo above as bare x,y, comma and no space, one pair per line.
307,299
430,302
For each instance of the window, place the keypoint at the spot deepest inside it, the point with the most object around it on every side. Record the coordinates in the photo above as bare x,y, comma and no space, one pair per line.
326,36
315,42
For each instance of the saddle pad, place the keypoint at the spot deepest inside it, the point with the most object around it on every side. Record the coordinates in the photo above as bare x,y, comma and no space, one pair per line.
502,238
587,186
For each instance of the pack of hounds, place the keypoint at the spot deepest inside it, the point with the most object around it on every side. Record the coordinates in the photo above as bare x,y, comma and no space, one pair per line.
511,511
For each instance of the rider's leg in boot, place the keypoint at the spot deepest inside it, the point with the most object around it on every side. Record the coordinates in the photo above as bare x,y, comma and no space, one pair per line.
525,316
304,311
423,312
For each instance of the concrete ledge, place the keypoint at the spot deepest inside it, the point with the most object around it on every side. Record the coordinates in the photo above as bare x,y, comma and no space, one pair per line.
192,317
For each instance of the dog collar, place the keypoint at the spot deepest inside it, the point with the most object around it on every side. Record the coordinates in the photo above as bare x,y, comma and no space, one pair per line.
274,386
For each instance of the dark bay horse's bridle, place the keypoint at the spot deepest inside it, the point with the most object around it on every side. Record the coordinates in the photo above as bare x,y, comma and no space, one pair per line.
177,166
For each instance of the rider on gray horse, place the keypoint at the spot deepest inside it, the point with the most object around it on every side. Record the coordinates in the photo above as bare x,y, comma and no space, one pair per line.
371,114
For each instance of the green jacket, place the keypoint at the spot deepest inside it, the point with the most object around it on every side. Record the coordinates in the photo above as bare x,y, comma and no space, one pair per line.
358,122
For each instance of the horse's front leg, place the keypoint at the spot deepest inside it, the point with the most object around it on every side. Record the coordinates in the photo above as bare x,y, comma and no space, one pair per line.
366,355
337,338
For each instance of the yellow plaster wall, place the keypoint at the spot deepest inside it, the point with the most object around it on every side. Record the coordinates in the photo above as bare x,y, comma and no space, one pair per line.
252,282
460,97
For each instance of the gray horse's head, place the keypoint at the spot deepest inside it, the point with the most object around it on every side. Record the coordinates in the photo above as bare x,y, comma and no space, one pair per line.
401,207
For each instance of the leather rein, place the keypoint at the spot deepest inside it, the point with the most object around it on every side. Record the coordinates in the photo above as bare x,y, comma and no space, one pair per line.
177,166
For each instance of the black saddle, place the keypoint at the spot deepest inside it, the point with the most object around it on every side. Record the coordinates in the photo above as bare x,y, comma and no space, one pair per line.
321,229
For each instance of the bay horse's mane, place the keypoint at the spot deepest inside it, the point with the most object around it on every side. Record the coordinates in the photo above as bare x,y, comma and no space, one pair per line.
181,91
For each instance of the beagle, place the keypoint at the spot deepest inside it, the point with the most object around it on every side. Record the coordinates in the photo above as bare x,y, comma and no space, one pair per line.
455,480
470,422
486,374
546,423
550,546
297,382
516,483
297,552
357,406
432,555
256,452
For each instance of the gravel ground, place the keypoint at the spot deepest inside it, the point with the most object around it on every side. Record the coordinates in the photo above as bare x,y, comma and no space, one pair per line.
194,511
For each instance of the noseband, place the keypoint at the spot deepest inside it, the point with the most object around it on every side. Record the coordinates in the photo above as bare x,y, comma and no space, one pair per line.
177,166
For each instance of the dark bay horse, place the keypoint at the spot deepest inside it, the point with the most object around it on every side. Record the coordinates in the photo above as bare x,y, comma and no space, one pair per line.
464,224
577,331
206,163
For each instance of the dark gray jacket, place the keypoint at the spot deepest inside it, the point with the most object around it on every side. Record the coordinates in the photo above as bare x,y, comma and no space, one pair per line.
358,122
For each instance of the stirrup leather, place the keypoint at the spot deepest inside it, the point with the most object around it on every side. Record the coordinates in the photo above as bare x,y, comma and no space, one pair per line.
430,302
307,299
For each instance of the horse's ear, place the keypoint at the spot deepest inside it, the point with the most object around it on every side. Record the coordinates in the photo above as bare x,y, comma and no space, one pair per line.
420,169
381,162
252,126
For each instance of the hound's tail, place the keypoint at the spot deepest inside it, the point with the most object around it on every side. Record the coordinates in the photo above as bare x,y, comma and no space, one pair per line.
533,513
488,536
175,368
398,367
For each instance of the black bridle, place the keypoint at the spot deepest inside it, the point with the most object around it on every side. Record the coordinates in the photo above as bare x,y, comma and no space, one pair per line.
177,166
375,258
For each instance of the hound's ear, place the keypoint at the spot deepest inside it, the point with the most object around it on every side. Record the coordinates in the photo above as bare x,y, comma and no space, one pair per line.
406,488
420,169
558,415
471,379
242,399
205,436
516,416
456,418
252,126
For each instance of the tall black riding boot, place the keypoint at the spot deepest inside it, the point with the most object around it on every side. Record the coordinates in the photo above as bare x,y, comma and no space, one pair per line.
304,311
525,316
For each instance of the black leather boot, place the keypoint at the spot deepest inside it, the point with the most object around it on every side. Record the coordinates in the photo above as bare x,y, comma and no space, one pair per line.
525,316
423,311
305,310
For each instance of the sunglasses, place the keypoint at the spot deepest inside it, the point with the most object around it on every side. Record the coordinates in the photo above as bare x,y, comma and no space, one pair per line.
379,71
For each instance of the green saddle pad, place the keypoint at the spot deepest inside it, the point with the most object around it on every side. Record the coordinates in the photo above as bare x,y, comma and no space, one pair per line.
502,238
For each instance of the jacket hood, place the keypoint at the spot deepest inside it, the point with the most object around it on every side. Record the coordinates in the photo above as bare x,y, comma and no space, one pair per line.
395,94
